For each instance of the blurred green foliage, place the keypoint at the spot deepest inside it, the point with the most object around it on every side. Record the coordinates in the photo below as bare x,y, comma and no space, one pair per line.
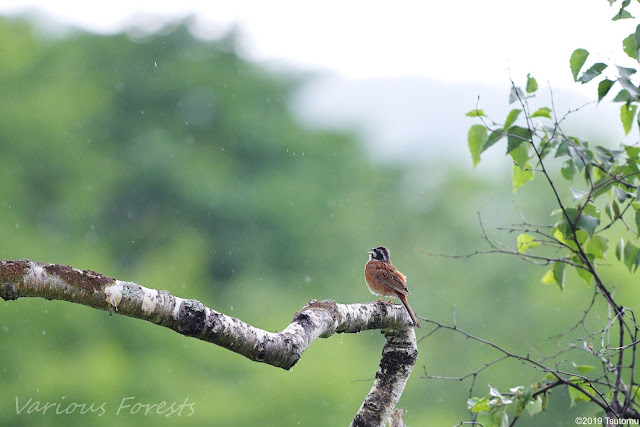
175,163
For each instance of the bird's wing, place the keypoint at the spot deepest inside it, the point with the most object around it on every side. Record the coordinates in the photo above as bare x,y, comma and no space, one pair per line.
392,278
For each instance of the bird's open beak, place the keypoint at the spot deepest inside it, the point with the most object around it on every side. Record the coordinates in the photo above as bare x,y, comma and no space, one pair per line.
370,251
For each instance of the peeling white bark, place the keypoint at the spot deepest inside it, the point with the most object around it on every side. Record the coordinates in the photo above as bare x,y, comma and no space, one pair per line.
190,317
398,357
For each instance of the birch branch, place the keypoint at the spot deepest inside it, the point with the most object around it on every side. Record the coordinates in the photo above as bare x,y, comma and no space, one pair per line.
189,317
398,357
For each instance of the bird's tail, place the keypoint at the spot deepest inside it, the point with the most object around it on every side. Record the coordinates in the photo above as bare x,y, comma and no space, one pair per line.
403,298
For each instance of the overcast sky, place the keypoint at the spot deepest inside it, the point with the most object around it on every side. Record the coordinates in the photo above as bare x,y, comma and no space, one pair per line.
464,40
402,74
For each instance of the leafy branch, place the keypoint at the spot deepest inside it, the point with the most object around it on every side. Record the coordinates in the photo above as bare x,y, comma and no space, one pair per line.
604,190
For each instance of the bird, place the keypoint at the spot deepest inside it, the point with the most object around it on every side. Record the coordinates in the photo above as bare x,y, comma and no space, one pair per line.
384,279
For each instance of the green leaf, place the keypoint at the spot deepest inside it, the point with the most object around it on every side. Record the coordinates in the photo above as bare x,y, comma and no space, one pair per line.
568,169
635,393
621,194
521,175
548,278
476,113
578,152
594,71
578,194
630,46
478,404
520,403
558,273
542,112
620,249
555,275
607,156
522,171
625,72
516,135
613,210
493,138
603,88
622,96
592,210
581,236
622,14
563,149
525,242
632,151
585,275
511,118
630,255
638,221
627,113
597,246
577,395
532,84
585,369
546,145
587,220
588,223
535,406
515,94
577,60
626,83
477,139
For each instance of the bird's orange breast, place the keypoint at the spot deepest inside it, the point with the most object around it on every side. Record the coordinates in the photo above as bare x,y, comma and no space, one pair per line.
377,275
